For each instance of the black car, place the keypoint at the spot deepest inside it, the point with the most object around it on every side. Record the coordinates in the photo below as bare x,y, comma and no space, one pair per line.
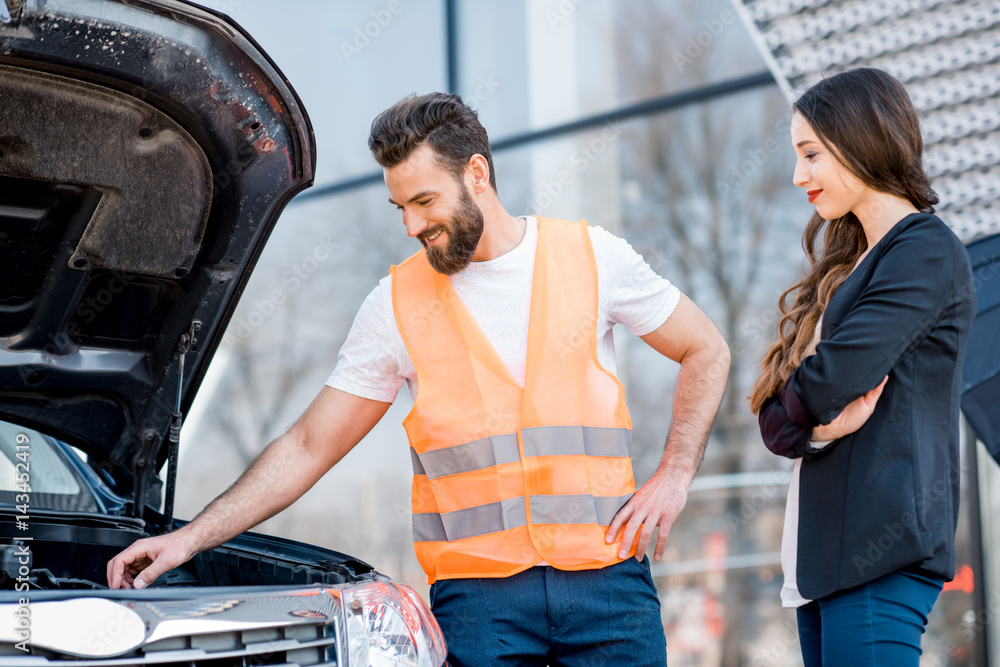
147,149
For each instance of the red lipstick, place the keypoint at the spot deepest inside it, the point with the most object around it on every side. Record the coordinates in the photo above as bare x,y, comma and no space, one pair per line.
813,194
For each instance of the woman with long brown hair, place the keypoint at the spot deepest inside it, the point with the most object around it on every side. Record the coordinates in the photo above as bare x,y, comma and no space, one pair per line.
862,386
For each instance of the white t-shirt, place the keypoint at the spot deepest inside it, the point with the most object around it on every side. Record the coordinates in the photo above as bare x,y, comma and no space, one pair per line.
790,596
373,362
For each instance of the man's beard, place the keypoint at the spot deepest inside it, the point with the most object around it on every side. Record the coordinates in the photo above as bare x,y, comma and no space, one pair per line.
463,236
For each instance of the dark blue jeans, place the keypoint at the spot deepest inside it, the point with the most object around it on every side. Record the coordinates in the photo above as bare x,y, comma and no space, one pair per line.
544,616
878,624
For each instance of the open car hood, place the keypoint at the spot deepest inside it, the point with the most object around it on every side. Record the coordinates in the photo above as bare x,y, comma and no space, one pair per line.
146,151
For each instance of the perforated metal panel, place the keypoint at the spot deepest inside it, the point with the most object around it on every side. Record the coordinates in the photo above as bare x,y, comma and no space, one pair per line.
946,53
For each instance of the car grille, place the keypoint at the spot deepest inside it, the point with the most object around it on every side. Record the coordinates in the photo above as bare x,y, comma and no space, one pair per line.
292,646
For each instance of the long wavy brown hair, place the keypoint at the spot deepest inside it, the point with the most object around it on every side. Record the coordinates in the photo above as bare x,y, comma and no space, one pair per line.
867,121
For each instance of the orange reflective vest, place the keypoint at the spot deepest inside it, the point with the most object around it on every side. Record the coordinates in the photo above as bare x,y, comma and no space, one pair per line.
506,477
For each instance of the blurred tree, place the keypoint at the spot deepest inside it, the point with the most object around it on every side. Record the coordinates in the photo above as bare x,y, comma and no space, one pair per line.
705,187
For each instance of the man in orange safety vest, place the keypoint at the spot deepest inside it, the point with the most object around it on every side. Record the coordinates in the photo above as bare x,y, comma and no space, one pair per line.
526,516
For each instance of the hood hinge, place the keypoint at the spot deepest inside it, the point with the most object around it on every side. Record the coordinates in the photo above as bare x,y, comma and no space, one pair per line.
148,446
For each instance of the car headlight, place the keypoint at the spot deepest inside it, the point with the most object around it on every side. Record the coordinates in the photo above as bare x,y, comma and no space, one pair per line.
389,625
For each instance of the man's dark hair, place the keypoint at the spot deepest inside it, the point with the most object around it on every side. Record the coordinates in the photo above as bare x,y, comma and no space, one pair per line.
450,127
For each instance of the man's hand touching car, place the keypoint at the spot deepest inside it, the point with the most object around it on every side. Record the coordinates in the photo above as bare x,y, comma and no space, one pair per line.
145,560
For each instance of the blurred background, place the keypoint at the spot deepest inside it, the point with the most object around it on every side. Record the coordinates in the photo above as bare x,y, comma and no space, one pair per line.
656,119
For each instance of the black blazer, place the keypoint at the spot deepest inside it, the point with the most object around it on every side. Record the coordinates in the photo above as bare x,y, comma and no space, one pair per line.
885,497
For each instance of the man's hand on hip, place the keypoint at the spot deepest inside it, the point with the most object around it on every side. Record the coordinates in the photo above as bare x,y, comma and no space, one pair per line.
656,505
689,338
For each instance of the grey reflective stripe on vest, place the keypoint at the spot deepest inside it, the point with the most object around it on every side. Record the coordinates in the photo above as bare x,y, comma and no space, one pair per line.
470,522
576,509
570,440
418,467
474,455
538,441
510,513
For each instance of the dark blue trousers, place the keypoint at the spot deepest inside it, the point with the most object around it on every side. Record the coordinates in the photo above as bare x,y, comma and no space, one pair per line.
544,616
875,625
